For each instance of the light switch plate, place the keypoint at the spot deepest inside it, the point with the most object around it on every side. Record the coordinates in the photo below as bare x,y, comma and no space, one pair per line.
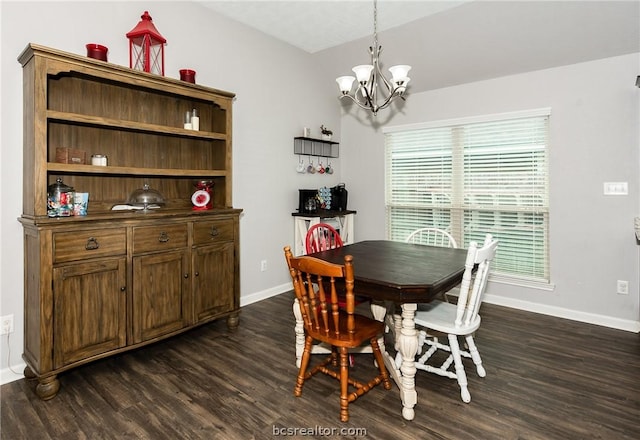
616,188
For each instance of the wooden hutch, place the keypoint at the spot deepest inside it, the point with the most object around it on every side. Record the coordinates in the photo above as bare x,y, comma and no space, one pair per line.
111,281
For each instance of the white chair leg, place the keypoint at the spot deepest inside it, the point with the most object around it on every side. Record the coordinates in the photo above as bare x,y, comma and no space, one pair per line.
299,330
397,325
475,355
460,374
379,312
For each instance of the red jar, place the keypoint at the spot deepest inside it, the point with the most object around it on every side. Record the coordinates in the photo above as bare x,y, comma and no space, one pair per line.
188,75
97,51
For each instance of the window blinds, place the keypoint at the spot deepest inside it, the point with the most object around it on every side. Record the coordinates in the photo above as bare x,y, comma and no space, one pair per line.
472,177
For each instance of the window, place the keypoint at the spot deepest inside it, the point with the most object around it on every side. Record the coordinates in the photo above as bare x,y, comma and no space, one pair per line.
472,177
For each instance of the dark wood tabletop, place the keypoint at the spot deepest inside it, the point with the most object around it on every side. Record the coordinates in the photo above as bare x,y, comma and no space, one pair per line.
400,272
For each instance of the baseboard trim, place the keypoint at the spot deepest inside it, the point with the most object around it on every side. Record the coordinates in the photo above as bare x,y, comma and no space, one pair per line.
264,294
559,312
6,375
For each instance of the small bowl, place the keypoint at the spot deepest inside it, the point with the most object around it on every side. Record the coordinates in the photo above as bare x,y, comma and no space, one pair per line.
97,51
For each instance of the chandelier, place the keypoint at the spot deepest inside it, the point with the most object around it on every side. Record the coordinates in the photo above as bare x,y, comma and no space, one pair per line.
374,92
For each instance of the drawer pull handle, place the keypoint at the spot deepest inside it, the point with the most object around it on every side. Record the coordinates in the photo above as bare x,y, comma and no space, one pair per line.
92,244
214,231
164,237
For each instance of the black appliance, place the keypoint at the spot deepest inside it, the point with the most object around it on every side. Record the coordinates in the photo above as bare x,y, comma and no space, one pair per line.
307,202
339,198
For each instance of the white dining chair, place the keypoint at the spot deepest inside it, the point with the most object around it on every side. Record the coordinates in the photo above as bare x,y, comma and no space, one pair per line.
454,320
432,237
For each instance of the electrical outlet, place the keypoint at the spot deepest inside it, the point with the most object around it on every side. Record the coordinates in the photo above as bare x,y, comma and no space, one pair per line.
6,324
623,287
263,265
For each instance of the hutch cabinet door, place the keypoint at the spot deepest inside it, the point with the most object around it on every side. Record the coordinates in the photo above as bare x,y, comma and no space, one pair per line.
213,286
160,294
89,313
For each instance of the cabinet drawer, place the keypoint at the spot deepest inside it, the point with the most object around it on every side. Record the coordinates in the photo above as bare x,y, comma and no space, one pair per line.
78,245
157,238
212,231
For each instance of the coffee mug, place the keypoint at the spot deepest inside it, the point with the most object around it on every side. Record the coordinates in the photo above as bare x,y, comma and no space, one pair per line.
311,169
328,169
320,168
301,168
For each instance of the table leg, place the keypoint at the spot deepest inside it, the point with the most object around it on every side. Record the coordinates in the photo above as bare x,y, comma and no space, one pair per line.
407,342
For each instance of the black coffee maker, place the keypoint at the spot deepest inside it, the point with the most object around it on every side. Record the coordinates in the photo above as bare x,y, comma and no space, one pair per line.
339,198
307,201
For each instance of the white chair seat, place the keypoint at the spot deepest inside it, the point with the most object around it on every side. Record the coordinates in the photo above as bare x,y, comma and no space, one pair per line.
440,316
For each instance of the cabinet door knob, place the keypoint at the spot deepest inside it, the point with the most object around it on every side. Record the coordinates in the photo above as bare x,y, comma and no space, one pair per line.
92,244
164,237
214,231
123,288
197,274
186,275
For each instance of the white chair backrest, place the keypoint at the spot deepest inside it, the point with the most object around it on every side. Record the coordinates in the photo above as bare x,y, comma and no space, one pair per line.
432,237
471,292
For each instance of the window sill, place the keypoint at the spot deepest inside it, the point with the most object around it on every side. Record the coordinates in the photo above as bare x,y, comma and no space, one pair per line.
522,282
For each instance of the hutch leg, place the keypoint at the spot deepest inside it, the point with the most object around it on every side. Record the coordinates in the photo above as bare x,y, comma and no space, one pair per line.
48,387
233,320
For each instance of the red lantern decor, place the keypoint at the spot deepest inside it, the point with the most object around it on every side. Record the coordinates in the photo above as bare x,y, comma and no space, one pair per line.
146,47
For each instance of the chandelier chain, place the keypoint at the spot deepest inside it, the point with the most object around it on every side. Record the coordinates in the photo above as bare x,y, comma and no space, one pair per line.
375,23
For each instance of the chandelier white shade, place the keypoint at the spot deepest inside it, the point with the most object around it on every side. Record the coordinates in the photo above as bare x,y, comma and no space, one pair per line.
373,90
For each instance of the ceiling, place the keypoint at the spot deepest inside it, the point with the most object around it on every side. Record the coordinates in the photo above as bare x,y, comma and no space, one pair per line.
314,25
448,42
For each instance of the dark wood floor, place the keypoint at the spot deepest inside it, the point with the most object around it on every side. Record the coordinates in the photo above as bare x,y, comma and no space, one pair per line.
547,378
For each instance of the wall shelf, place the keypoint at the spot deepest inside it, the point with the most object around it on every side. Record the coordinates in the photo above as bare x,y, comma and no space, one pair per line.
315,147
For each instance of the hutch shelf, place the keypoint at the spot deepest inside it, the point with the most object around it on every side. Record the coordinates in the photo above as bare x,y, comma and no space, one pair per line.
112,281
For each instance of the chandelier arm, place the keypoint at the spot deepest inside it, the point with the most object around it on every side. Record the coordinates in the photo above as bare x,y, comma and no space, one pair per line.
387,101
369,102
359,104
376,68
368,94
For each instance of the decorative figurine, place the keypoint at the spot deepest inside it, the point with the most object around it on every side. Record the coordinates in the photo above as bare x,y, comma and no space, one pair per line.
326,133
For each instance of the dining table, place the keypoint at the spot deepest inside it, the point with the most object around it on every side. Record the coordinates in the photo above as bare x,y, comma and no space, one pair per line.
397,273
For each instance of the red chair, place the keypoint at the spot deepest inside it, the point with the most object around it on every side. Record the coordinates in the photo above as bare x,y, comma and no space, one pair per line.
321,237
